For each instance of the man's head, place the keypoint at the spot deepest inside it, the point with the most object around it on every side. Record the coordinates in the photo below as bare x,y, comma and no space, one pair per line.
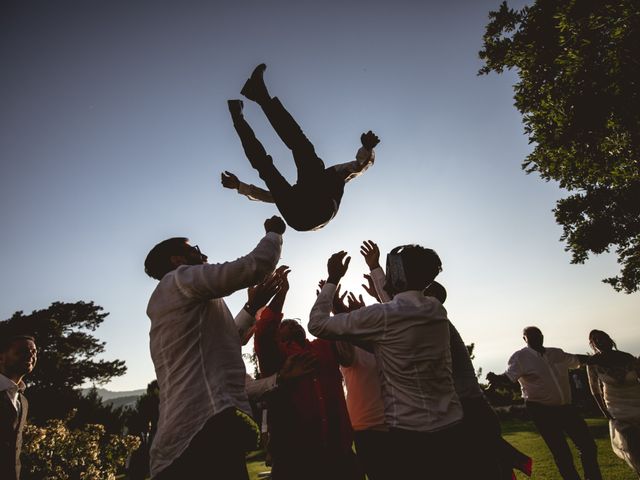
411,267
437,291
18,356
292,331
533,337
170,254
601,341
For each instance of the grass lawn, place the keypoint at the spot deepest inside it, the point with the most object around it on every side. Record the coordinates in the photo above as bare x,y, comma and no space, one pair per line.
524,436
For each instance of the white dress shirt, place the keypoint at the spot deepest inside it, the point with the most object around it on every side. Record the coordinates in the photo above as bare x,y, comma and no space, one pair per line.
543,377
195,345
410,335
462,370
11,389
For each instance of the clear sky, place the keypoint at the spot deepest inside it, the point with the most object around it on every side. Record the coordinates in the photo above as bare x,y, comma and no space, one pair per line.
114,131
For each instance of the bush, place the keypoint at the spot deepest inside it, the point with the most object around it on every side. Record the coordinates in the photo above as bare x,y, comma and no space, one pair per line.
54,452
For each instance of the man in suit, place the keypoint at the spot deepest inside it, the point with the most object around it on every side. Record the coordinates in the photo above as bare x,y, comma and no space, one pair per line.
18,356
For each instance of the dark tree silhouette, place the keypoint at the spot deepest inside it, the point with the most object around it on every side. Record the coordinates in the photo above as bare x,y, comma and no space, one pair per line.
579,95
67,353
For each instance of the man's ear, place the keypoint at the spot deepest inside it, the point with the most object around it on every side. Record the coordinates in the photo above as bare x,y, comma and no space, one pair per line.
177,260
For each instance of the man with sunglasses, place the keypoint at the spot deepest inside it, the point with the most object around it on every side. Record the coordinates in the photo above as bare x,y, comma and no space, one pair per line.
410,339
195,343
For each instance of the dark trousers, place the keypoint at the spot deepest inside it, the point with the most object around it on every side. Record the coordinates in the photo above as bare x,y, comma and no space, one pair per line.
217,452
430,455
313,199
372,449
482,428
552,423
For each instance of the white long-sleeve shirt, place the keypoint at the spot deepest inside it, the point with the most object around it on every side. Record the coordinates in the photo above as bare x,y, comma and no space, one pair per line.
196,346
462,370
410,335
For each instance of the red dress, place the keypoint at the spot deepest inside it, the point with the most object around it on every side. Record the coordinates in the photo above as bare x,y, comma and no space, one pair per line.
310,430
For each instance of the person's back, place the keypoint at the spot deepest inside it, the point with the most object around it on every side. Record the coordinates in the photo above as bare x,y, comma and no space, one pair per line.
413,352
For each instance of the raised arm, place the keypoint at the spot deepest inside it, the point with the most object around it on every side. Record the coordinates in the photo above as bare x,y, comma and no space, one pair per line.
364,323
365,157
229,180
222,279
266,343
371,254
257,297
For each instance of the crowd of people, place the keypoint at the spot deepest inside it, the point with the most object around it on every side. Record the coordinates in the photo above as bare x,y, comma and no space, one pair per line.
394,379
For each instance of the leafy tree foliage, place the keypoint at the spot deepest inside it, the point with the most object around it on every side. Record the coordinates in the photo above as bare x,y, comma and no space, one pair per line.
579,94
67,353
57,452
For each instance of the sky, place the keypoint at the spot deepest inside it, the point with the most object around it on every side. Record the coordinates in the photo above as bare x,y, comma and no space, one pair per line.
114,130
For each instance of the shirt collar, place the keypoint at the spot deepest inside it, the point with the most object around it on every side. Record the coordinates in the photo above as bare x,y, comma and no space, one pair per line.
6,384
410,295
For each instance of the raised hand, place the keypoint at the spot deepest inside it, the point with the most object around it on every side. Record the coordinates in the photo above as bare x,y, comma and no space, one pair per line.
370,288
259,295
275,224
355,303
371,254
337,266
229,180
282,273
369,140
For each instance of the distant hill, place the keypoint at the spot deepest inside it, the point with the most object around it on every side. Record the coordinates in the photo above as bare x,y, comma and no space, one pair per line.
118,399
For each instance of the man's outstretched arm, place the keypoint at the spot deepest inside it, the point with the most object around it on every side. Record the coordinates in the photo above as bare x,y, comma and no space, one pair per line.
365,157
229,180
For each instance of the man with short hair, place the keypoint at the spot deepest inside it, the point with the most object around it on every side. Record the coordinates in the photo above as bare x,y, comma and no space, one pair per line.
410,338
543,374
204,426
18,355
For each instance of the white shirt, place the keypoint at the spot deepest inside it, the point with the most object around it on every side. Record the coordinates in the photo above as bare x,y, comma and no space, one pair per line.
364,392
195,345
11,389
462,370
543,378
410,335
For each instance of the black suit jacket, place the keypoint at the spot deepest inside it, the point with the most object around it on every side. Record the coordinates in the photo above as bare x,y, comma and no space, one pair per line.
11,436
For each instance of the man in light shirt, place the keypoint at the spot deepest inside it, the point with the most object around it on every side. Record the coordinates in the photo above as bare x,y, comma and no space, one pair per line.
204,426
410,338
18,355
543,374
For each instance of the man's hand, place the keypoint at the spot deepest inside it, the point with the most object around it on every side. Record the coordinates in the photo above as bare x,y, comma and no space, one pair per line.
355,303
297,365
229,180
338,305
369,140
337,266
370,288
371,254
259,295
275,224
